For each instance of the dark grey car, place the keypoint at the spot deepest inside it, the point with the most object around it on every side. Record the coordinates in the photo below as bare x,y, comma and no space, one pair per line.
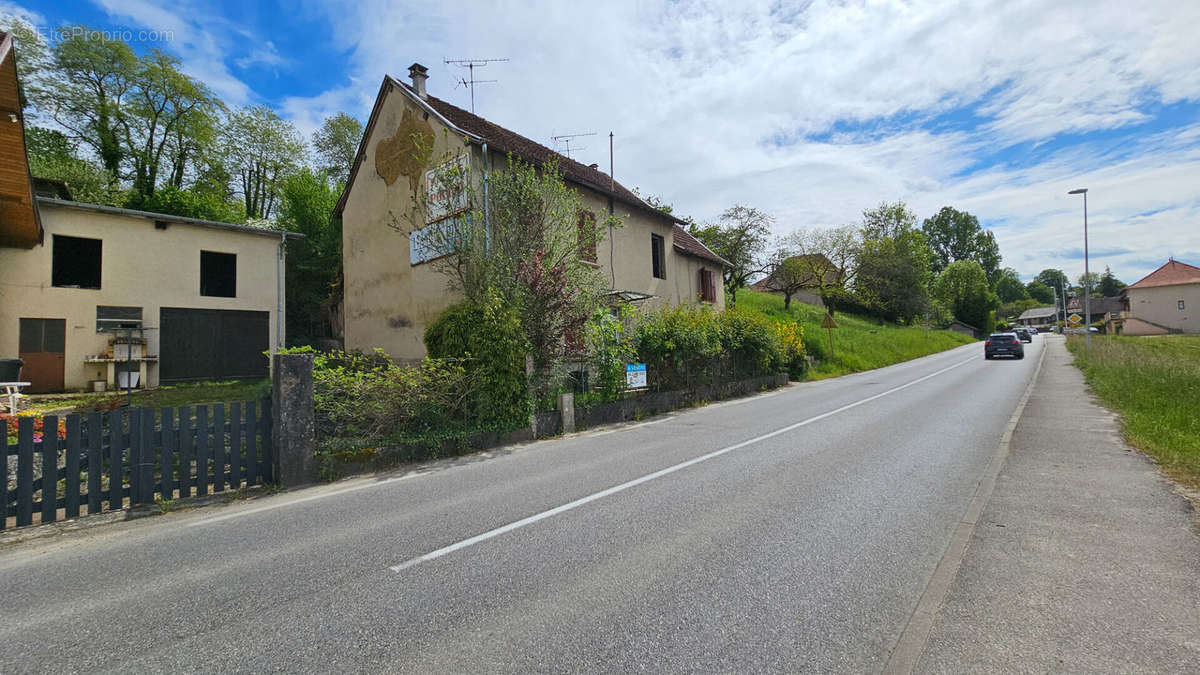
1003,344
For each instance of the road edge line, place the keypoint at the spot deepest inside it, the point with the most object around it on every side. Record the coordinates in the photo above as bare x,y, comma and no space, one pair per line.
909,648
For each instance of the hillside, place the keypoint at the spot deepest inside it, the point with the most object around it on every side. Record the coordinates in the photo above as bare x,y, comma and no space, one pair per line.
859,343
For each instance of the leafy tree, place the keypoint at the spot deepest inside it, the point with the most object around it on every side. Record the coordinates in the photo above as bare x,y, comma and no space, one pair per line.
956,235
86,91
33,54
740,237
892,275
789,275
336,144
963,287
1109,285
1040,292
827,255
52,156
1090,281
314,263
1052,278
263,150
1009,287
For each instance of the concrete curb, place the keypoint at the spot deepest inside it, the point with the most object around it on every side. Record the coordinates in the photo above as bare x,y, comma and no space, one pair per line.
907,653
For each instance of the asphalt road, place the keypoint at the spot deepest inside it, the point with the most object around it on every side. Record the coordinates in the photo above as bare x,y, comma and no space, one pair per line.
791,531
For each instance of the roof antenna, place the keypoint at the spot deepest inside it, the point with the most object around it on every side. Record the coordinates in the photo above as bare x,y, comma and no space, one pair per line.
469,81
565,139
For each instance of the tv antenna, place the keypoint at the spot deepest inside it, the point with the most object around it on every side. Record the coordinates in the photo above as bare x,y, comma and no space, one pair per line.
469,81
565,139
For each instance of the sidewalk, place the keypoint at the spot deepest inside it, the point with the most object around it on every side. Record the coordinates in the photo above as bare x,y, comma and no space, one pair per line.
1085,559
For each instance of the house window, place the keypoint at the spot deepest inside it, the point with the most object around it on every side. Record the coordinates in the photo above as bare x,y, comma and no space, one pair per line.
1180,304
708,288
658,259
218,274
587,236
75,262
109,319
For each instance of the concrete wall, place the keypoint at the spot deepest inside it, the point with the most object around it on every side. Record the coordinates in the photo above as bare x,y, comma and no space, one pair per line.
1160,305
141,266
389,301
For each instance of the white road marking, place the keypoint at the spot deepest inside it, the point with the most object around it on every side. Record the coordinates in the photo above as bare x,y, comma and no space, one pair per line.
657,474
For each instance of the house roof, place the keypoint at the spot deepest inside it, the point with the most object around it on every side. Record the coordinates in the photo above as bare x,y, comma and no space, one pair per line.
1172,273
167,218
20,224
688,245
499,138
1037,313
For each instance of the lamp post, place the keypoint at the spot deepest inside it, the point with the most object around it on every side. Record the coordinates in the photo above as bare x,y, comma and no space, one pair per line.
1087,281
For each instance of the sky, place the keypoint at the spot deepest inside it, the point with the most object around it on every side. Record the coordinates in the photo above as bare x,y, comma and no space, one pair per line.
810,111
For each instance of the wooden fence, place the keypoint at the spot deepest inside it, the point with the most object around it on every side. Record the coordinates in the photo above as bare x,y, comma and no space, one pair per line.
106,461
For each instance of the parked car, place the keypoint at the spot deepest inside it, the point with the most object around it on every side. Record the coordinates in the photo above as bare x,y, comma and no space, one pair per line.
1033,330
1024,335
1003,344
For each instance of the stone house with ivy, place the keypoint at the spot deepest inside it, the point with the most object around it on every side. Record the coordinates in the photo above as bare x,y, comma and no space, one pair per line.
391,292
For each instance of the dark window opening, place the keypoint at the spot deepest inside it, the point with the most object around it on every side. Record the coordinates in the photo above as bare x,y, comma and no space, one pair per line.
658,256
708,288
75,262
42,335
218,274
587,236
1180,304
110,319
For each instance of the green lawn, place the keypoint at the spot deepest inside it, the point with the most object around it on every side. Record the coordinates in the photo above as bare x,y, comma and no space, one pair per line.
1154,384
859,343
161,397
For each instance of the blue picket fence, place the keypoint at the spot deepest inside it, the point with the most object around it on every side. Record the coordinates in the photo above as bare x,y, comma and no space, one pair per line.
86,464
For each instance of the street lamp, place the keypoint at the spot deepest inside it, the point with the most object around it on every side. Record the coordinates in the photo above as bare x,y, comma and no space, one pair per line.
1087,281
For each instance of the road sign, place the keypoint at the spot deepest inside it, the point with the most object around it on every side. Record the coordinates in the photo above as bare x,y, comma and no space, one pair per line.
1074,320
828,322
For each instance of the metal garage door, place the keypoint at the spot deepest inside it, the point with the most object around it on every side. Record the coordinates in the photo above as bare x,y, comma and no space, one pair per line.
212,344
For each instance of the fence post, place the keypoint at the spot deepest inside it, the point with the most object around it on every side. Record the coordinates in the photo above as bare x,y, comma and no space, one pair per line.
566,408
293,419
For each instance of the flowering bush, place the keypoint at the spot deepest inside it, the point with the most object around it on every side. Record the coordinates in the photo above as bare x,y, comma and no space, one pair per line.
11,425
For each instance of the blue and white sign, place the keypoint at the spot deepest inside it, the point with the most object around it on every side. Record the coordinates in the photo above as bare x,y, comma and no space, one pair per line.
635,375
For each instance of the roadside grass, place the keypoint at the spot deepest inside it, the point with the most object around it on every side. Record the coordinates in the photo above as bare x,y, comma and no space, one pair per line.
1154,384
859,343
161,397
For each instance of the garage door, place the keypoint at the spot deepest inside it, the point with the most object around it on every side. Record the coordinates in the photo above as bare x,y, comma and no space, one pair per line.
212,344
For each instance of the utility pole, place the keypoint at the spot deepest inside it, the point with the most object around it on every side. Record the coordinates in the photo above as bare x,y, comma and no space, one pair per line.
469,82
1087,281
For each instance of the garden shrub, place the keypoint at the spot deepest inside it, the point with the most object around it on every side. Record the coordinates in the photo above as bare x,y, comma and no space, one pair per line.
609,349
678,344
488,340
790,336
751,341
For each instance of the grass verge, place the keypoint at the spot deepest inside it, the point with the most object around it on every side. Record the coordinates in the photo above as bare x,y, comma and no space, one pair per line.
859,343
1154,384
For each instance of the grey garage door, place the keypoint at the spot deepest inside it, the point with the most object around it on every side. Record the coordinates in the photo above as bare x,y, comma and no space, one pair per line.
212,344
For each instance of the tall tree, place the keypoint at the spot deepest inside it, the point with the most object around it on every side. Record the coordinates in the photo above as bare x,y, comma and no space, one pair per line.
1056,279
336,144
1089,281
956,235
1041,292
827,254
740,236
165,112
1109,286
314,262
1009,287
263,149
963,288
92,78
893,271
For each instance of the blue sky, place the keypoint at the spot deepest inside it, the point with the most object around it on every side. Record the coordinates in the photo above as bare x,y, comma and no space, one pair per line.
811,111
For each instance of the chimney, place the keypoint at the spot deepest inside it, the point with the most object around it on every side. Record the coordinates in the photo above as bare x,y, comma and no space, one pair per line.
419,74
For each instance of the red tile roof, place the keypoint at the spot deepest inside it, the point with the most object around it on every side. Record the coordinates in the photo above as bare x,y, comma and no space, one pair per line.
687,244
1172,273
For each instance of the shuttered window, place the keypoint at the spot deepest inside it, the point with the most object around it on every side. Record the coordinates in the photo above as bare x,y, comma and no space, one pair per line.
587,236
658,258
708,287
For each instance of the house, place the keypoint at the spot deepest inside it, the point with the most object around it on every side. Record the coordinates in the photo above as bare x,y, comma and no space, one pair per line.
813,268
392,292
963,328
1164,301
1038,316
88,291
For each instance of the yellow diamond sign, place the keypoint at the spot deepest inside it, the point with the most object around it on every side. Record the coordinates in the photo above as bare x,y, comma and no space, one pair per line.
1074,320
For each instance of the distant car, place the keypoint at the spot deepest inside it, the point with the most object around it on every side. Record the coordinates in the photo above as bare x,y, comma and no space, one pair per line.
1024,335
1033,330
1003,344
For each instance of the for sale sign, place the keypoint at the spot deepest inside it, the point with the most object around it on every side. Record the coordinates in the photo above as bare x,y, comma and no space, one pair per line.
635,375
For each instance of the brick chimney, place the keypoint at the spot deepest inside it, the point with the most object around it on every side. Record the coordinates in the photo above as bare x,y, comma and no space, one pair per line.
419,74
